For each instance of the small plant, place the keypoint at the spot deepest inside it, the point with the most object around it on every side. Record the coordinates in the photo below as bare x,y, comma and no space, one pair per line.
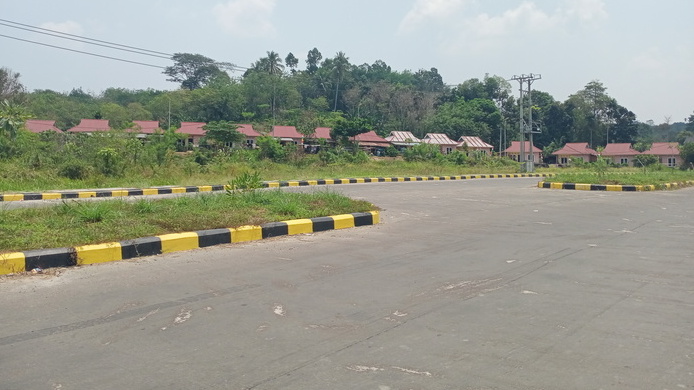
143,206
88,212
245,182
73,170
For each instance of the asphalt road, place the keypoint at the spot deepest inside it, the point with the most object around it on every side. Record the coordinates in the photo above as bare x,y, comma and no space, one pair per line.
478,284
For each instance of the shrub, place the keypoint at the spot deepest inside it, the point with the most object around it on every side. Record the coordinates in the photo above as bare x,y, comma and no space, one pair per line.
391,151
73,169
422,152
457,157
645,160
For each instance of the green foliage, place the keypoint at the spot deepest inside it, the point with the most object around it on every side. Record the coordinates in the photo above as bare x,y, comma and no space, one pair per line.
223,133
88,212
109,162
457,157
423,152
600,166
646,160
271,148
687,154
245,182
73,169
391,151
12,118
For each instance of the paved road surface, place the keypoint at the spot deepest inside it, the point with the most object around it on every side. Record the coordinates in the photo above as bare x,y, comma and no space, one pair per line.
479,284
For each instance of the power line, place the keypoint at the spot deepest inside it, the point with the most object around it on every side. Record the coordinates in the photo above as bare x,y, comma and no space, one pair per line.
168,55
86,41
84,52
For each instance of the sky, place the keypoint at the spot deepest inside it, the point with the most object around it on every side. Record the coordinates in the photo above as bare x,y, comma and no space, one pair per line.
641,50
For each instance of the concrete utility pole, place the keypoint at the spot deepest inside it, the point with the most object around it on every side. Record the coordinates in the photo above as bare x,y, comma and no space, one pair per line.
526,127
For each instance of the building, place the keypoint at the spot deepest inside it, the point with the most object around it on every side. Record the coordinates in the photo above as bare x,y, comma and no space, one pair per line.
321,135
402,139
90,126
668,153
445,144
513,152
192,131
39,126
250,133
143,129
287,135
575,150
371,142
621,153
475,144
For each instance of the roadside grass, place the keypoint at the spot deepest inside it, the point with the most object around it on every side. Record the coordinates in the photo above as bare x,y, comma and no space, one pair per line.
18,178
634,177
75,223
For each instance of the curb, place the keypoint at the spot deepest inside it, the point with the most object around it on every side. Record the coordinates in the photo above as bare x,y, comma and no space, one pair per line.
266,184
149,246
613,187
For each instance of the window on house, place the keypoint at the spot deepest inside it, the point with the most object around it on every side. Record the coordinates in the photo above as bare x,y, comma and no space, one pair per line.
671,161
449,150
624,161
564,160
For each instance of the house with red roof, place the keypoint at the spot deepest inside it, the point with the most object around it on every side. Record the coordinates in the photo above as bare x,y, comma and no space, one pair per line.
445,144
90,126
250,133
287,134
668,153
192,131
620,153
575,150
39,126
320,135
371,142
142,129
402,139
475,144
513,152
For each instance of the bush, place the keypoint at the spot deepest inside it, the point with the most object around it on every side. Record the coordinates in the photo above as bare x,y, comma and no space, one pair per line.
73,169
391,151
423,152
271,148
645,160
457,157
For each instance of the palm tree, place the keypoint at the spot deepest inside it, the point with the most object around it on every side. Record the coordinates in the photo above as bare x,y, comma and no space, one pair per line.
340,67
273,63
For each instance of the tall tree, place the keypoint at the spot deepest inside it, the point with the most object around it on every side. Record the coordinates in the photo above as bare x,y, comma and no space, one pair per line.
193,71
339,69
292,62
12,118
312,60
10,87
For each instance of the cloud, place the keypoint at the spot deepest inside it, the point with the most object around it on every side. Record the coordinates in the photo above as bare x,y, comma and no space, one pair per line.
526,17
246,18
429,10
68,27
587,10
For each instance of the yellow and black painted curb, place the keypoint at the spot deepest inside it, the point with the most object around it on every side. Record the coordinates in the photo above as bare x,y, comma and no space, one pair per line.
613,187
267,184
149,246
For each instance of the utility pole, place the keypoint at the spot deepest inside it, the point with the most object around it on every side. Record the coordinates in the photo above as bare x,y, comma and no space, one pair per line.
526,127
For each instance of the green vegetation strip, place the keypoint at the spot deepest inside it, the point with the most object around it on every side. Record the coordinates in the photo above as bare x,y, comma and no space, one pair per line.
659,179
80,223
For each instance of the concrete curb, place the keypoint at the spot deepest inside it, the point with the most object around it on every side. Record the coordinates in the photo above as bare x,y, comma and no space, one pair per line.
267,184
613,187
148,246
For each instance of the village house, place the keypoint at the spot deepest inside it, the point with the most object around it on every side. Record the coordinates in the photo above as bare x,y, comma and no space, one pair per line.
474,145
143,129
668,153
39,126
575,150
402,139
287,135
621,153
445,144
193,132
513,152
371,142
320,135
250,133
90,126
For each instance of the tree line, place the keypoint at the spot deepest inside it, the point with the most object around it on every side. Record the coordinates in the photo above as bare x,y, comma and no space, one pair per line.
332,91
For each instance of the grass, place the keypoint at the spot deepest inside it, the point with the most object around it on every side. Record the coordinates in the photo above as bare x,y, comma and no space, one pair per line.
658,177
79,223
19,178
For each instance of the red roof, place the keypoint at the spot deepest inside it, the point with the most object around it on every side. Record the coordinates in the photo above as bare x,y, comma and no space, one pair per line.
474,142
145,127
322,133
247,130
576,149
192,128
402,138
39,126
439,139
619,150
370,136
285,132
664,149
515,147
90,126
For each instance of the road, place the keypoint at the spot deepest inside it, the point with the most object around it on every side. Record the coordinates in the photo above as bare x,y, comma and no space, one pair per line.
478,284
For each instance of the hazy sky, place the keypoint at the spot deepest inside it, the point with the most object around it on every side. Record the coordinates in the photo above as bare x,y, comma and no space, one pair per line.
641,50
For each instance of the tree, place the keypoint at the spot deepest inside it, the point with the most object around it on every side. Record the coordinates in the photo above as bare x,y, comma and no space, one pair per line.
291,61
193,70
312,60
597,102
12,118
223,133
339,68
10,86
347,128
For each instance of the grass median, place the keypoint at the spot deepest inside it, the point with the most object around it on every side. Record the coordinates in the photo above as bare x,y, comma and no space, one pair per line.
73,223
